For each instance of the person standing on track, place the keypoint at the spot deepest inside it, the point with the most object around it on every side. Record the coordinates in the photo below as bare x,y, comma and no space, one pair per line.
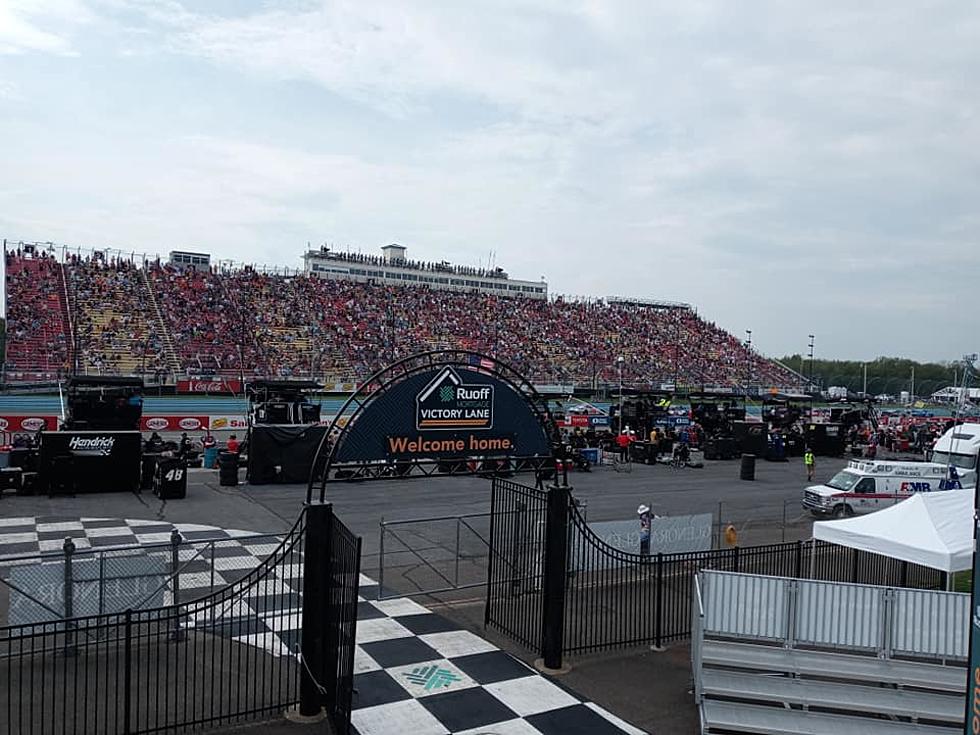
811,464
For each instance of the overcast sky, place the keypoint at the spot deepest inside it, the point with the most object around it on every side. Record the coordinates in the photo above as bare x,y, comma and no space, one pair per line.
787,167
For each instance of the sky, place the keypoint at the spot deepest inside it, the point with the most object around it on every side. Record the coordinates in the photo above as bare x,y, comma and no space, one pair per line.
787,167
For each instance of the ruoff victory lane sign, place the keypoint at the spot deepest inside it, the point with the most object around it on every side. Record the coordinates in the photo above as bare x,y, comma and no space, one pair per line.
447,412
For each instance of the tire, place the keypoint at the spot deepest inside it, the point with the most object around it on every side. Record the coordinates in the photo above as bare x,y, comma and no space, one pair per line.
842,511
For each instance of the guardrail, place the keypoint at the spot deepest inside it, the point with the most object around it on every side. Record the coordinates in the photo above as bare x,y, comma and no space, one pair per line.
887,621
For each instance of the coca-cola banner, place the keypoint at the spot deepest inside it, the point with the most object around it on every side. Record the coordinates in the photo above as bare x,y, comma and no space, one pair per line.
202,385
28,423
174,423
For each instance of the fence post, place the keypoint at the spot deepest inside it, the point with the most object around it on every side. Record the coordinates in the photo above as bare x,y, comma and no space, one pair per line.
799,560
659,612
69,548
735,562
316,550
854,570
175,540
555,566
885,620
128,672
905,575
101,583
381,557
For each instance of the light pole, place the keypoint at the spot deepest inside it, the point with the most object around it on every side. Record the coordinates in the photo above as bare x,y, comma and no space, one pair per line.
619,364
748,362
810,355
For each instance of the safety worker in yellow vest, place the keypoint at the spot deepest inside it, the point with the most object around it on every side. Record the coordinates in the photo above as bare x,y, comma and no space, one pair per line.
811,464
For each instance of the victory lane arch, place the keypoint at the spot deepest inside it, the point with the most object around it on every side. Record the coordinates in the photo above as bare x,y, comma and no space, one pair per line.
444,412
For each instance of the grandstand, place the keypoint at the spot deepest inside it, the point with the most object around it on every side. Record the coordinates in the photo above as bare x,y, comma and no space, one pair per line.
115,316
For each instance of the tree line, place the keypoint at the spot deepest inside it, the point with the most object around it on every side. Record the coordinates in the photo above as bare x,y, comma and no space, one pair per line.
889,375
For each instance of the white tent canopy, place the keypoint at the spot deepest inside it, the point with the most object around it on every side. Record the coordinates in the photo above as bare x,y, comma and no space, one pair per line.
932,529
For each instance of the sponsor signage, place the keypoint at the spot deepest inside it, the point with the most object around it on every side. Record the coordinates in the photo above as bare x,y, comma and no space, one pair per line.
28,423
583,421
206,385
668,535
174,423
131,581
223,423
90,461
449,404
445,412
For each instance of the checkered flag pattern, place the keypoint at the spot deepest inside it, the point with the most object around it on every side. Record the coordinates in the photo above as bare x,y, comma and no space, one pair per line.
415,671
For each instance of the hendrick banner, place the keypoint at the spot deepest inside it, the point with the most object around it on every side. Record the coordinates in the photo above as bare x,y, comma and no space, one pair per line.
207,385
449,412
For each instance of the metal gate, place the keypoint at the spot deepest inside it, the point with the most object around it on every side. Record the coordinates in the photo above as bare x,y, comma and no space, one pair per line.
230,656
515,570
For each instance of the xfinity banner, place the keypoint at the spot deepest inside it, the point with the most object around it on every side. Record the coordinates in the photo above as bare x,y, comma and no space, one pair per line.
448,412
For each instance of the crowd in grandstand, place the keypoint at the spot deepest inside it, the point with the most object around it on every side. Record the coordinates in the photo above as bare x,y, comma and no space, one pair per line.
246,322
37,338
116,331
442,267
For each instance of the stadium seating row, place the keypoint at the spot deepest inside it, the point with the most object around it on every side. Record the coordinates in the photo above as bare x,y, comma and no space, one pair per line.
342,331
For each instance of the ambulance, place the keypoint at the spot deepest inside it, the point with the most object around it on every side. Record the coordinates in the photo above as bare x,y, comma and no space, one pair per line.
865,486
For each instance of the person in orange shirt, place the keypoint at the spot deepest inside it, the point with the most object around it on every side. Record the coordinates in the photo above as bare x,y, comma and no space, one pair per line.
233,444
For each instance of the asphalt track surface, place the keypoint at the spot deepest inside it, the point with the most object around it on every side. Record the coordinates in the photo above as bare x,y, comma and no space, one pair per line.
648,688
757,509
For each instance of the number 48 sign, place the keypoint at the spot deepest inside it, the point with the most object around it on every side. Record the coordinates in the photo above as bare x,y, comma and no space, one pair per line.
175,474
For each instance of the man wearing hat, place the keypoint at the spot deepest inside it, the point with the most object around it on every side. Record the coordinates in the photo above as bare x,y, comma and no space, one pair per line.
644,512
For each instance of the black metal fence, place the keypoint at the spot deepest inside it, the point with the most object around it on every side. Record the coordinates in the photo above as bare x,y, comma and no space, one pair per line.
613,598
515,569
345,570
230,656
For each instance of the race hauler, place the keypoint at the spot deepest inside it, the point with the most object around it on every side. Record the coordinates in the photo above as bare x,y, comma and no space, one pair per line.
865,486
958,449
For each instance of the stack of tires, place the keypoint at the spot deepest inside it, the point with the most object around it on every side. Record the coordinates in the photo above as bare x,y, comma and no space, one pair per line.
228,469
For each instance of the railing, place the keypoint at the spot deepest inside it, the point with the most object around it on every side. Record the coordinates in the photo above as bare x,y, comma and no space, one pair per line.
886,621
424,556
229,655
54,585
217,660
515,571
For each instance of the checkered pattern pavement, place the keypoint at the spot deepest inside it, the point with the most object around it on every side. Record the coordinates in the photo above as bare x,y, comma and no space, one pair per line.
415,671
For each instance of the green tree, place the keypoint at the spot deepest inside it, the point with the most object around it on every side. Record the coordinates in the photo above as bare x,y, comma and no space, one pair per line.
885,374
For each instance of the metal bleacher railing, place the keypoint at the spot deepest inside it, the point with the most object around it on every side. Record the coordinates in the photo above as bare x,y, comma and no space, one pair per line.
772,654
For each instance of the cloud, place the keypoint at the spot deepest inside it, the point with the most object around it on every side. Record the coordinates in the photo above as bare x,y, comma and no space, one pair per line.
735,156
27,26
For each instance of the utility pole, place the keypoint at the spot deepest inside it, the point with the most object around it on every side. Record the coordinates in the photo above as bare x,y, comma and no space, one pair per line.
865,388
748,362
810,376
619,363
912,387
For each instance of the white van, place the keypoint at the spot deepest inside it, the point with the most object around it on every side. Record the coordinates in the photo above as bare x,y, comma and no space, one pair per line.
958,448
865,486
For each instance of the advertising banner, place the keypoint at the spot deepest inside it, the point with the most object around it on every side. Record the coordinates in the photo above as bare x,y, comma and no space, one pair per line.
445,412
227,423
668,535
581,420
174,423
209,385
90,461
28,423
